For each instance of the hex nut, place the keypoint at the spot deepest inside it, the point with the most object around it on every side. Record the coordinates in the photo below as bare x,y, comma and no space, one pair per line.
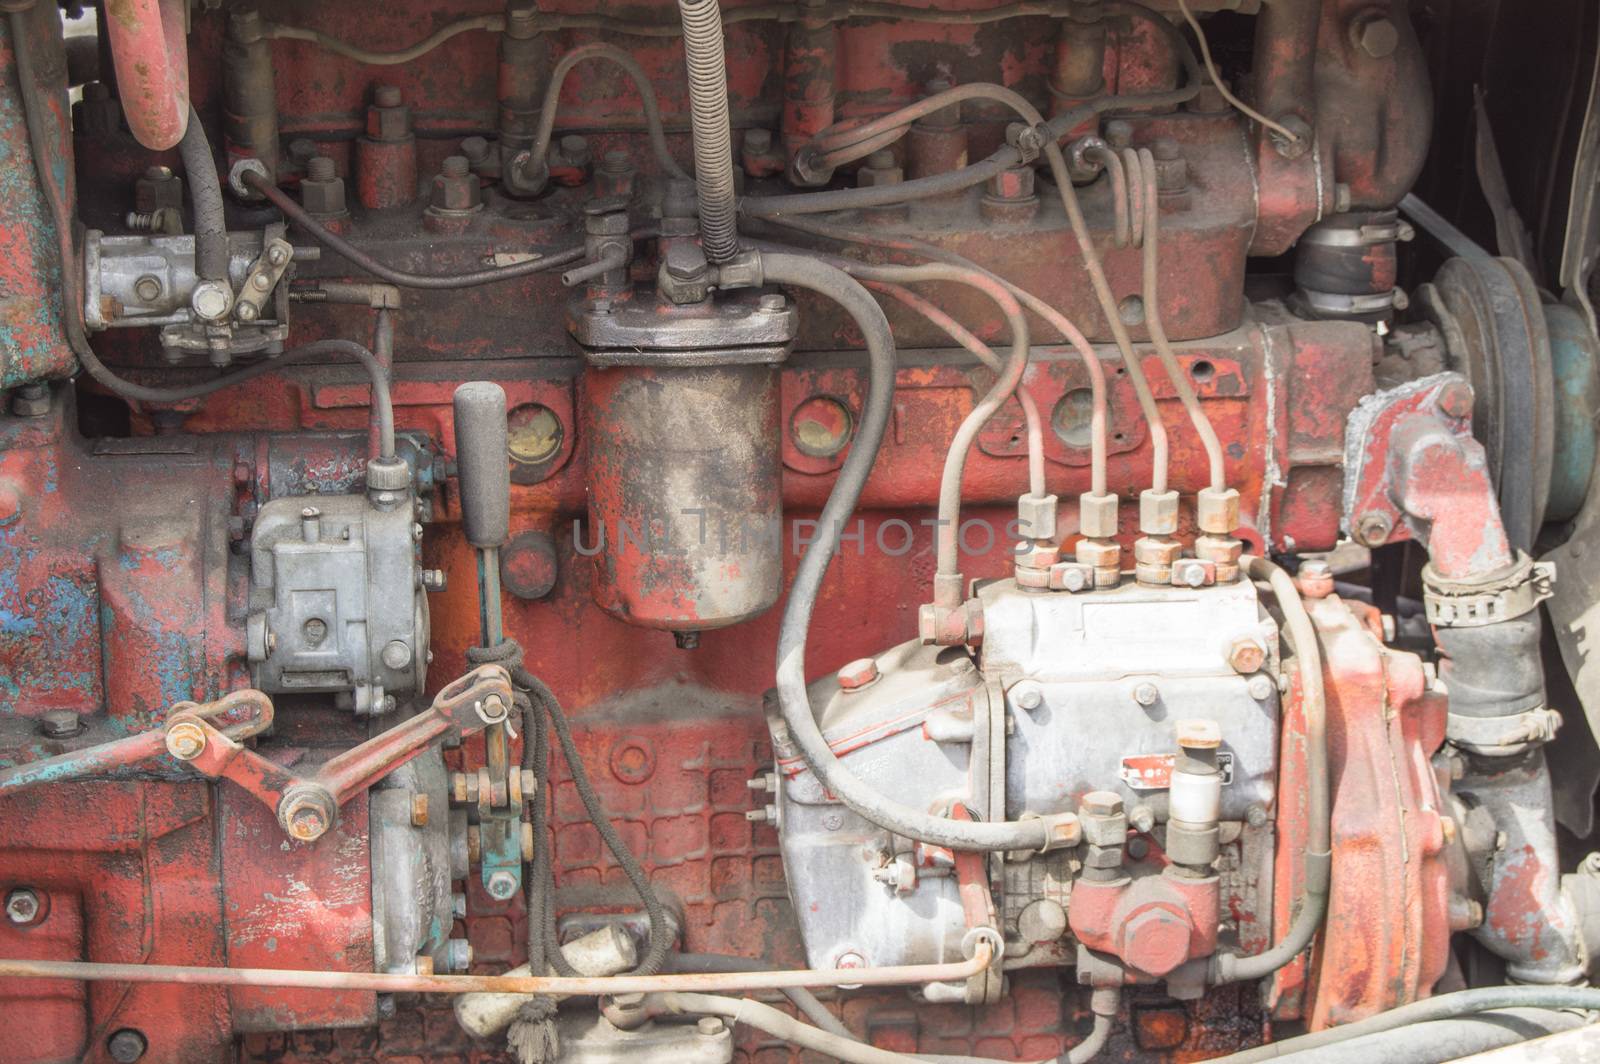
1099,553
1157,550
388,118
1097,515
880,169
1158,512
30,400
1036,517
1037,556
1217,511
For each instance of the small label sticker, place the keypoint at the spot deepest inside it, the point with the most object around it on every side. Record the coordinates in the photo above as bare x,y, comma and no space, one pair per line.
1153,772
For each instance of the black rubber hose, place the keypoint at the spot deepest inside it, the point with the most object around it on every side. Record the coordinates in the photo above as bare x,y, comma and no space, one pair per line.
803,271
205,202
544,703
1428,1010
436,282
382,403
713,136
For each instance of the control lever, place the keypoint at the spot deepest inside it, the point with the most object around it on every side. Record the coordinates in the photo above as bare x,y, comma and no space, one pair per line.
306,806
483,472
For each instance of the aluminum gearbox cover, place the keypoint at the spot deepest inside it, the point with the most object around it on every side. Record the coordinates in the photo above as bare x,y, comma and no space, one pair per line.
336,600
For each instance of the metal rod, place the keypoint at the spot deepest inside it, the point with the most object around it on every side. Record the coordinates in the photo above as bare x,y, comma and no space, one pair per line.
199,975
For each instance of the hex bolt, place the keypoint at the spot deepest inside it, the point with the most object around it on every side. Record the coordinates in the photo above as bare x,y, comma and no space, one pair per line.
1375,35
858,674
22,906
1455,400
501,885
1261,687
387,96
1141,818
1146,694
1246,655
709,1025
126,1046
757,141
60,724
772,303
434,580
1256,815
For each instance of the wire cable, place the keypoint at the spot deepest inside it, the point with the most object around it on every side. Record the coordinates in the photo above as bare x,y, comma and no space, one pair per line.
1239,105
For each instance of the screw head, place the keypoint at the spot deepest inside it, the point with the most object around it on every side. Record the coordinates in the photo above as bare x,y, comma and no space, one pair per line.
22,906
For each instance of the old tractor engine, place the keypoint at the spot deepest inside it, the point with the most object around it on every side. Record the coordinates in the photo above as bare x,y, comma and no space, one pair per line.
710,530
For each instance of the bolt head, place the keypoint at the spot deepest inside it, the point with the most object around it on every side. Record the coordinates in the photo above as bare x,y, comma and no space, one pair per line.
1455,400
60,724
186,740
1146,694
1261,687
396,654
126,1046
419,810
211,300
1373,529
1246,655
858,674
501,885
1027,695
1101,803
1376,36
1155,941
22,906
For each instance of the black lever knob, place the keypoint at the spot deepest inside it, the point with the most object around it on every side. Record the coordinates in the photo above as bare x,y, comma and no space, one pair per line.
481,463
